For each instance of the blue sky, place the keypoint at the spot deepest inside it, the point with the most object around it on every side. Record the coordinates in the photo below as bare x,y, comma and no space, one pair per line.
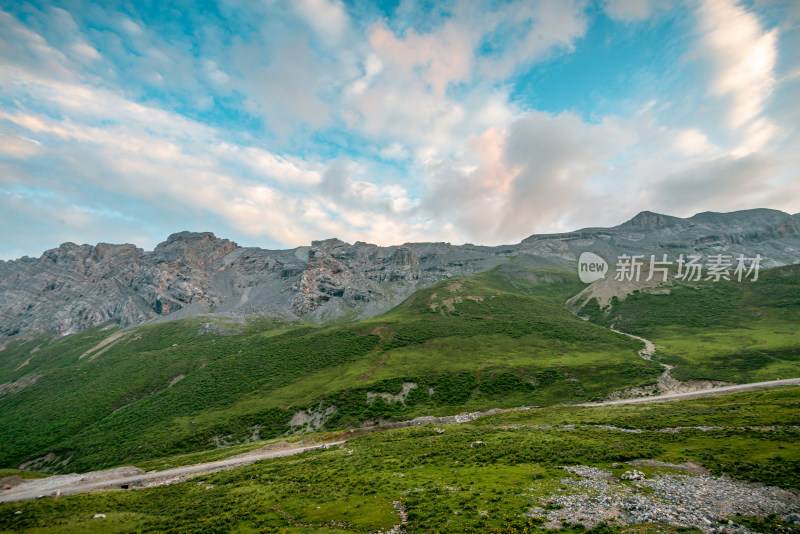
275,123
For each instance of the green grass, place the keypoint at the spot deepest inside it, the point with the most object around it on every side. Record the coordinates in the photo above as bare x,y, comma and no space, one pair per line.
21,473
442,479
780,406
500,338
733,331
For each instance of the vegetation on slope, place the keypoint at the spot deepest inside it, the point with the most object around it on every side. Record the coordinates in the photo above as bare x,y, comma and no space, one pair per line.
727,330
482,476
501,338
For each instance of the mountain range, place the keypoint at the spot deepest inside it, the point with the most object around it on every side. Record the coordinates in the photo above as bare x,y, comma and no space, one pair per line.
74,287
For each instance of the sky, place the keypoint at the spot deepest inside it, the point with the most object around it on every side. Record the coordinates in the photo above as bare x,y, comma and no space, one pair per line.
276,123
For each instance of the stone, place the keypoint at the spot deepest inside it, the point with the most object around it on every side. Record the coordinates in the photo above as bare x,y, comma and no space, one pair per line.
633,475
10,482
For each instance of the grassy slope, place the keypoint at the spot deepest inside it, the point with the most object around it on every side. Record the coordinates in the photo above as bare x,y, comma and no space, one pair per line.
441,479
498,339
736,331
501,338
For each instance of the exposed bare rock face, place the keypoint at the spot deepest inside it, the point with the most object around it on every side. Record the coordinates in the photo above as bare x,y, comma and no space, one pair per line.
363,273
73,287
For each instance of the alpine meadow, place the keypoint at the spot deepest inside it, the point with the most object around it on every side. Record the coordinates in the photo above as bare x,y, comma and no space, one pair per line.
336,266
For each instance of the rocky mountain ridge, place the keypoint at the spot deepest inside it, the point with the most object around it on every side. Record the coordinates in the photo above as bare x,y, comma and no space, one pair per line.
73,287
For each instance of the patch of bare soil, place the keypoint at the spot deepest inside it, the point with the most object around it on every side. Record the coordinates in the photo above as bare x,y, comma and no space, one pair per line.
695,468
18,385
103,345
667,384
605,290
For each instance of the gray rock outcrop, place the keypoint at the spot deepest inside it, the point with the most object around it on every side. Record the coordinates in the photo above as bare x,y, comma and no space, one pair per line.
74,287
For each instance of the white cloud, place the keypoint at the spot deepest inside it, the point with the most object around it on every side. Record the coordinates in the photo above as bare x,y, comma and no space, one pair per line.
19,147
538,29
395,151
328,17
691,142
530,177
372,67
429,90
130,26
722,184
284,84
440,59
431,147
742,56
121,147
84,50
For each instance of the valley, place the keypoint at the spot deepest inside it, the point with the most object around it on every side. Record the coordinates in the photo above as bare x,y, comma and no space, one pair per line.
516,386
400,267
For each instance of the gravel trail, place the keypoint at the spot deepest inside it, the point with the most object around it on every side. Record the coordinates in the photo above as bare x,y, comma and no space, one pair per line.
700,393
110,479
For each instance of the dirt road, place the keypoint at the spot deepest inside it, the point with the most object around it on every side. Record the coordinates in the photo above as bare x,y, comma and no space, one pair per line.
132,478
98,480
699,393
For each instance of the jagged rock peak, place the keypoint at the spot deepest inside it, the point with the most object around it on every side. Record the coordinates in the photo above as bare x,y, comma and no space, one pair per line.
758,223
649,219
330,242
73,287
190,238
198,245
102,250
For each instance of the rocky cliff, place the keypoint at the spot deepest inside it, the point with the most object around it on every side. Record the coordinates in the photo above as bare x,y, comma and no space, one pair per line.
73,287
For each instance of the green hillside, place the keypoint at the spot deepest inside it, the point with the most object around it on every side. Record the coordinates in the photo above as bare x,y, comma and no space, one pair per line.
502,338
501,474
727,330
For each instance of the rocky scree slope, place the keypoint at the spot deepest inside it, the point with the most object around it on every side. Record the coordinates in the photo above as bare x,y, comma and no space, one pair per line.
74,287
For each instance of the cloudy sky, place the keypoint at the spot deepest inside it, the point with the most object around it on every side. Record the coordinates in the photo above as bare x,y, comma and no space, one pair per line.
274,123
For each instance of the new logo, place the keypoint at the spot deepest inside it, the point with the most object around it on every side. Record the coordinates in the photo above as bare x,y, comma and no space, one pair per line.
591,267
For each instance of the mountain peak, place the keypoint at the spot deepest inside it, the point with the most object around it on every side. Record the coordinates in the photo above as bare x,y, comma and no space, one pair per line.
649,220
201,247
330,242
738,215
187,236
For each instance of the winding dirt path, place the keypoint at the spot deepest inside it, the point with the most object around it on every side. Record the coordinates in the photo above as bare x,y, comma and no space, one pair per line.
649,347
667,387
